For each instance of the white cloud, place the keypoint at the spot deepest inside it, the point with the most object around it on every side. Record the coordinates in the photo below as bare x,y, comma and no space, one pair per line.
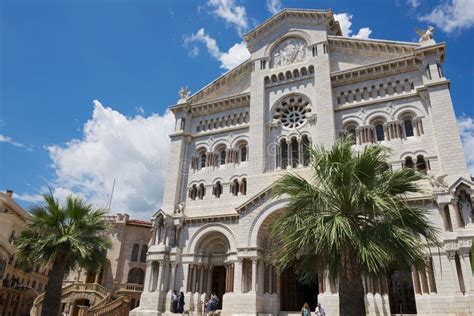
466,127
345,21
414,3
363,33
273,6
237,54
234,56
133,150
9,140
452,15
233,14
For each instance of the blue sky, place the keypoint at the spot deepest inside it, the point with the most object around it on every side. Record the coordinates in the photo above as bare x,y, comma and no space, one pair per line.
84,85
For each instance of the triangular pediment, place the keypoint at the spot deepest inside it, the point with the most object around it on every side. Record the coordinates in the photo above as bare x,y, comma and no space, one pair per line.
320,16
233,83
452,188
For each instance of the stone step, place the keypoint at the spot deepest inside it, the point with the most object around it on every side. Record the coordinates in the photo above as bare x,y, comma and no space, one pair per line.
289,314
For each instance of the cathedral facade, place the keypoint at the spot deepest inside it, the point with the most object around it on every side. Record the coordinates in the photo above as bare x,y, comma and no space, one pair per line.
306,84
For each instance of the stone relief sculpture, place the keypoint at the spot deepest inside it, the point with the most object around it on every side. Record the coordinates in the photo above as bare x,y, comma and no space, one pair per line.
437,182
288,52
465,207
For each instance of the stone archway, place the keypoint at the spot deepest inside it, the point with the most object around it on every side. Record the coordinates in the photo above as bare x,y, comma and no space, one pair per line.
211,270
284,286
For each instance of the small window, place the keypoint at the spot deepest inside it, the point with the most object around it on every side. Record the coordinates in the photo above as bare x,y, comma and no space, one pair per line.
201,191
421,164
202,160
217,190
408,126
222,155
193,192
143,253
351,132
135,250
409,163
234,187
243,186
243,153
379,132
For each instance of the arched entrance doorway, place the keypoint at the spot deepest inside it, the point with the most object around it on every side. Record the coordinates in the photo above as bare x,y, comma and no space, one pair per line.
294,293
291,291
212,271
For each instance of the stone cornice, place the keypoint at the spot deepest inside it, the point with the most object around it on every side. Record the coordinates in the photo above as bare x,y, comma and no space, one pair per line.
211,218
256,199
221,130
323,15
438,48
233,102
383,46
374,71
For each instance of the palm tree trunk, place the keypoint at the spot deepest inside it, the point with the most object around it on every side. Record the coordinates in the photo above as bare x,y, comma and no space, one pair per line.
52,295
351,289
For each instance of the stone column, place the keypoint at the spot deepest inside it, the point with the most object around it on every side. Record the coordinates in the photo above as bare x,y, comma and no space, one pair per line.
148,276
201,279
209,278
254,275
173,276
270,279
466,268
238,276
300,152
193,279
160,275
454,272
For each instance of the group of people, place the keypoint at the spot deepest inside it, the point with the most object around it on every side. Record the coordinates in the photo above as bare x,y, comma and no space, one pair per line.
318,311
177,301
211,304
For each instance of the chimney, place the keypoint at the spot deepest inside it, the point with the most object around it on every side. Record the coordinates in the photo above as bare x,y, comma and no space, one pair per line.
10,193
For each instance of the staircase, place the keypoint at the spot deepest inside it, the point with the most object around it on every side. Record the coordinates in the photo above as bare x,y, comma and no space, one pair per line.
104,303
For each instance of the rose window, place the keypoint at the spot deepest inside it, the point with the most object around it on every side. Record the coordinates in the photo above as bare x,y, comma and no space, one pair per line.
292,111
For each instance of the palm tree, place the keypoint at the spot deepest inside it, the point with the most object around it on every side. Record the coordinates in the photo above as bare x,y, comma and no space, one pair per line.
65,236
351,218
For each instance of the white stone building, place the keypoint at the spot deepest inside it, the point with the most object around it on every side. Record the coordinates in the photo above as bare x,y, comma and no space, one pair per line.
306,83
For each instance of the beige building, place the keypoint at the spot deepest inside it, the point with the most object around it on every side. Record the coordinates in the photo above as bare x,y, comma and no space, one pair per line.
305,83
117,287
18,288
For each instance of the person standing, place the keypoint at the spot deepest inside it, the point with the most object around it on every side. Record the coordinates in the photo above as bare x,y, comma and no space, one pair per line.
305,311
174,302
319,311
180,308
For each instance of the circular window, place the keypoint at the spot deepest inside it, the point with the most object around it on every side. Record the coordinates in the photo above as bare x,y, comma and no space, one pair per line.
292,111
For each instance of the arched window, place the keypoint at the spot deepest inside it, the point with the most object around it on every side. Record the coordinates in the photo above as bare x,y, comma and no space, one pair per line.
202,159
242,146
351,133
421,164
408,126
409,163
234,187
135,249
193,192
143,253
305,142
284,154
136,276
222,155
295,158
201,191
217,189
379,132
243,186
